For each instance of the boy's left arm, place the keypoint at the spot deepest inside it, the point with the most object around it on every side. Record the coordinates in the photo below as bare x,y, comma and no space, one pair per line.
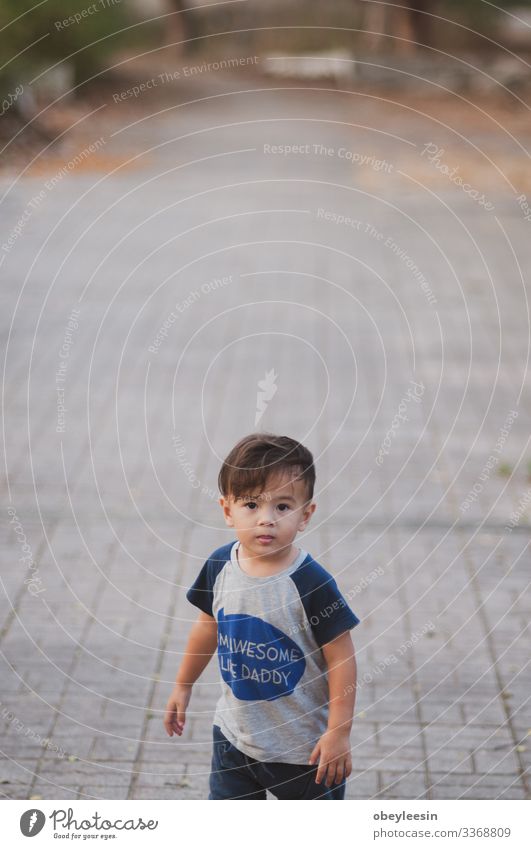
332,751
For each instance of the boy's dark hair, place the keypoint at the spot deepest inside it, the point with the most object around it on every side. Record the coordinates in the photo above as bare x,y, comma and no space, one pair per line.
255,457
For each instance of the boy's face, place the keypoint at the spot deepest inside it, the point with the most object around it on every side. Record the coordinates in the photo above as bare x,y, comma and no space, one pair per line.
267,522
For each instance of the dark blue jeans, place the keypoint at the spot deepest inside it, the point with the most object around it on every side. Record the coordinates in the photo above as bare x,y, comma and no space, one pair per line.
234,775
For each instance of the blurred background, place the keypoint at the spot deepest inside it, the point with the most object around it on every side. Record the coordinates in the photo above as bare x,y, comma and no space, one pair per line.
440,33
307,218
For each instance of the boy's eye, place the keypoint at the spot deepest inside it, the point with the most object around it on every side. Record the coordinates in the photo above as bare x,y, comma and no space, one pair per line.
251,505
283,507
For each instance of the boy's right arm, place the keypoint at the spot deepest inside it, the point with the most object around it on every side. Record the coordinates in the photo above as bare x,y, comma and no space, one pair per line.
201,645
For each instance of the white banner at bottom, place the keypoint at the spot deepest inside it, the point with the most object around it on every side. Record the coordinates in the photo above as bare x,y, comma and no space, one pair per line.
363,823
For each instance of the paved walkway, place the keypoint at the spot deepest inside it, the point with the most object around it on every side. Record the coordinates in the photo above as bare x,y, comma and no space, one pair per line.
315,236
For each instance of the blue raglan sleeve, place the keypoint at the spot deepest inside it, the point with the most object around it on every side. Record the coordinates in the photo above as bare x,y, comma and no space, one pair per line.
201,593
326,608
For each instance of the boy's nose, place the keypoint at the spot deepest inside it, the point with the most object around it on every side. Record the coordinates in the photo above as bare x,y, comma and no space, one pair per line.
266,519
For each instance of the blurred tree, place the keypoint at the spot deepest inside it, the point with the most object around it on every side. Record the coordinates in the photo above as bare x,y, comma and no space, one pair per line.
484,8
483,18
57,30
185,27
406,21
413,23
421,20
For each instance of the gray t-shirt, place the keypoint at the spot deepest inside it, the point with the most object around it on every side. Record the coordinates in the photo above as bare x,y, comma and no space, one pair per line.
274,700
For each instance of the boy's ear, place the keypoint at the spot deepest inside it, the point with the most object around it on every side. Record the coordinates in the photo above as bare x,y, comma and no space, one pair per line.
307,514
225,506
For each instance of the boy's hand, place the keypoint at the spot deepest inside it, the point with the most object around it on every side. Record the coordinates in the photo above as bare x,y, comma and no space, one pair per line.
175,714
333,753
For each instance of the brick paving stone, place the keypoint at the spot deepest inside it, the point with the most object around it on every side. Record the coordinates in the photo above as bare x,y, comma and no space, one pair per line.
117,528
101,791
16,771
14,790
475,786
161,773
400,786
362,785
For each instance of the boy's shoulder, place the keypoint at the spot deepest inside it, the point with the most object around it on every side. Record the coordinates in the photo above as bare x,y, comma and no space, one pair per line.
222,554
216,562
311,574
325,606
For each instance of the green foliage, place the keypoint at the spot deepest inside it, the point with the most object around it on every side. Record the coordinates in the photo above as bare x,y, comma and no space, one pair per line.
480,12
90,37
473,6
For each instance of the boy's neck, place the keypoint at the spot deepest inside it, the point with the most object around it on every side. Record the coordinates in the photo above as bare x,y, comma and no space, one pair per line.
262,565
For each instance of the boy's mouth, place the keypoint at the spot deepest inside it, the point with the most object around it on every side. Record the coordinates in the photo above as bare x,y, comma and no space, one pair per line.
265,538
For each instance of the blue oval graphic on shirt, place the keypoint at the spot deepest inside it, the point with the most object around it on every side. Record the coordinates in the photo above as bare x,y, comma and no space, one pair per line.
257,660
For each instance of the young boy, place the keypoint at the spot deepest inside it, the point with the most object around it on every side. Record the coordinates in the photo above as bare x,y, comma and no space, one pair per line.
282,632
